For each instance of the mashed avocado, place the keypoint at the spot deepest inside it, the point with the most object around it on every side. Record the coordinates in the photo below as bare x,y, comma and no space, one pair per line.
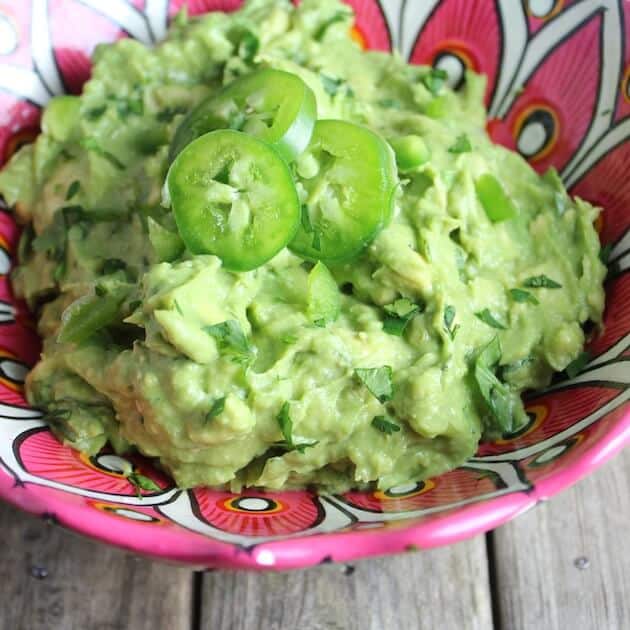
228,378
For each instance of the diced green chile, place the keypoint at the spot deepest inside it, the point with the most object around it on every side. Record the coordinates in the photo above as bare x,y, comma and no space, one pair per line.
349,196
234,197
411,151
276,106
495,201
89,314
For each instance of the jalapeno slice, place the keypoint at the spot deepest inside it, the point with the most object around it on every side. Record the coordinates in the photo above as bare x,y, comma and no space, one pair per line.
233,196
276,106
348,175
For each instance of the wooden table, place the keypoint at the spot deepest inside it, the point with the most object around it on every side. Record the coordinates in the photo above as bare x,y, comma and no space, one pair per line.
564,565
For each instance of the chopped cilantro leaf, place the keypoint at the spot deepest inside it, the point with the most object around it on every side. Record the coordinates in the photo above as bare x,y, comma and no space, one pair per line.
217,408
96,112
401,307
385,425
248,46
399,314
434,80
127,106
449,318
378,381
140,482
73,189
541,282
488,318
520,295
286,427
231,339
462,145
331,85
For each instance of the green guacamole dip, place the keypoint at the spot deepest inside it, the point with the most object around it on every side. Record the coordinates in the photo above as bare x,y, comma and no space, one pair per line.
444,318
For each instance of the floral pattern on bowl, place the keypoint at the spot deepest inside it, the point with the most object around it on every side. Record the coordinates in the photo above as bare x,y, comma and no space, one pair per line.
558,92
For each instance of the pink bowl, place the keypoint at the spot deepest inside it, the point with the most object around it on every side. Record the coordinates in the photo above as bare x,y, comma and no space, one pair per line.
558,91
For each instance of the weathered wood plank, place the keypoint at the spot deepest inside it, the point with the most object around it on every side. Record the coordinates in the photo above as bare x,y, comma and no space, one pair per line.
441,588
566,564
87,585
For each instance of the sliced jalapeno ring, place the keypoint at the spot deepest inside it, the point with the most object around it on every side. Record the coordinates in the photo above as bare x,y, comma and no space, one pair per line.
233,196
348,174
276,106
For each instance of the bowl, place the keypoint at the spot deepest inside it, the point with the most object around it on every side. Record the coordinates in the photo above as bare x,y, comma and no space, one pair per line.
558,92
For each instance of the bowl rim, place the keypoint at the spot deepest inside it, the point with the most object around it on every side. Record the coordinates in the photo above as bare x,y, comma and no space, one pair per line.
180,545
202,553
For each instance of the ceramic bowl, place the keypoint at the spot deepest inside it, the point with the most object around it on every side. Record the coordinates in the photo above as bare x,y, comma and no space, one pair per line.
558,92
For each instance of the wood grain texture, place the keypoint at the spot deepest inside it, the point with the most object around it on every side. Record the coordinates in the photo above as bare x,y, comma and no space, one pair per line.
566,564
442,588
88,585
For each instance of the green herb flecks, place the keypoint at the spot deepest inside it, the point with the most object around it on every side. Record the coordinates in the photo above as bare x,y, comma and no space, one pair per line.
286,427
449,319
385,425
126,107
96,112
231,340
434,80
462,145
498,397
331,85
248,46
140,482
73,189
399,314
541,282
378,381
490,320
520,295
218,406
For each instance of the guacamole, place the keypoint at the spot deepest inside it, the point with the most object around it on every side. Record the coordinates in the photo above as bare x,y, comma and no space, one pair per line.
382,366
